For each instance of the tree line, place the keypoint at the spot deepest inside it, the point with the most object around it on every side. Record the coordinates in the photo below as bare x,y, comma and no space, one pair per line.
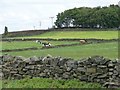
86,17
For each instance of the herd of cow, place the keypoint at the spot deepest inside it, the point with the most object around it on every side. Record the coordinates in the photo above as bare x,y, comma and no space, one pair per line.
48,44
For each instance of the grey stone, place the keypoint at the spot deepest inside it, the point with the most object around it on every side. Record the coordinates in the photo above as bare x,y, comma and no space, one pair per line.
32,60
94,65
111,85
81,69
111,65
68,69
99,70
83,78
27,60
42,74
19,58
46,70
1,75
30,67
1,57
1,60
71,64
91,70
54,62
105,61
36,60
104,76
17,76
7,58
111,69
102,66
62,61
96,59
81,63
110,73
18,63
13,72
47,60
66,75
117,67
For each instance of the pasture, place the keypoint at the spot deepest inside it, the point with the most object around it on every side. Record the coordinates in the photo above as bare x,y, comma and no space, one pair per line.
29,44
77,35
109,50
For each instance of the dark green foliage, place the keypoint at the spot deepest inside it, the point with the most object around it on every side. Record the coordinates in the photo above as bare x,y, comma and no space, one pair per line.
6,30
85,17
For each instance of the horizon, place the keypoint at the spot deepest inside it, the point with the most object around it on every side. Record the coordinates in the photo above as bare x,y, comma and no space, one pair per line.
19,15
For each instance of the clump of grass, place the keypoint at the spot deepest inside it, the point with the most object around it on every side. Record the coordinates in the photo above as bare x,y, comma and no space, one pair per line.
48,83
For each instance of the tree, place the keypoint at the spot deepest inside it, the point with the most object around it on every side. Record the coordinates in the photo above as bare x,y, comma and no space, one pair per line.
85,17
6,30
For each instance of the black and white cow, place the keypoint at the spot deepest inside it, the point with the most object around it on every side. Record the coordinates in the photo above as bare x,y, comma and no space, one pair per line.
45,44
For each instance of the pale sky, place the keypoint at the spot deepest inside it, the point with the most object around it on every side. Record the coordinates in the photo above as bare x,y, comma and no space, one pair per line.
20,15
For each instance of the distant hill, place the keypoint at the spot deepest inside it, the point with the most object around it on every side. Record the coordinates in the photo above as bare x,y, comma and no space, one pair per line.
39,32
24,33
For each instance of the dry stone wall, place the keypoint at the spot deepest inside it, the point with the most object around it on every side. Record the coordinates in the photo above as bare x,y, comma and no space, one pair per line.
92,69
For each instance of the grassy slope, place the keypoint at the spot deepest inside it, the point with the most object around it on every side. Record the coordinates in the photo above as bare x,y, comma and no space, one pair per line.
109,50
16,45
29,44
78,34
48,83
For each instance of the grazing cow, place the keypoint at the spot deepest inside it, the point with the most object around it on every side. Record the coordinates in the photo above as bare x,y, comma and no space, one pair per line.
83,41
45,44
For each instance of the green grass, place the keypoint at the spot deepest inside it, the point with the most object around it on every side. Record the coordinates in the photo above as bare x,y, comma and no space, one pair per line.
78,34
17,45
48,83
0,84
109,50
29,44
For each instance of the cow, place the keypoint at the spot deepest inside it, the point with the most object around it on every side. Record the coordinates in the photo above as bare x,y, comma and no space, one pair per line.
83,41
45,44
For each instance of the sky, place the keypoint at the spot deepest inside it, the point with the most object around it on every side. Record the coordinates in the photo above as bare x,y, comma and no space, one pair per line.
19,15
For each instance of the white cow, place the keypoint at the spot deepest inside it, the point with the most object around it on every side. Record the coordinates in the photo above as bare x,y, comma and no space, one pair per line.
83,41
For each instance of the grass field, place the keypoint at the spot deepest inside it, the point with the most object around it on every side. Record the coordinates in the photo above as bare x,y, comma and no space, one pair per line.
78,34
48,83
109,50
29,44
